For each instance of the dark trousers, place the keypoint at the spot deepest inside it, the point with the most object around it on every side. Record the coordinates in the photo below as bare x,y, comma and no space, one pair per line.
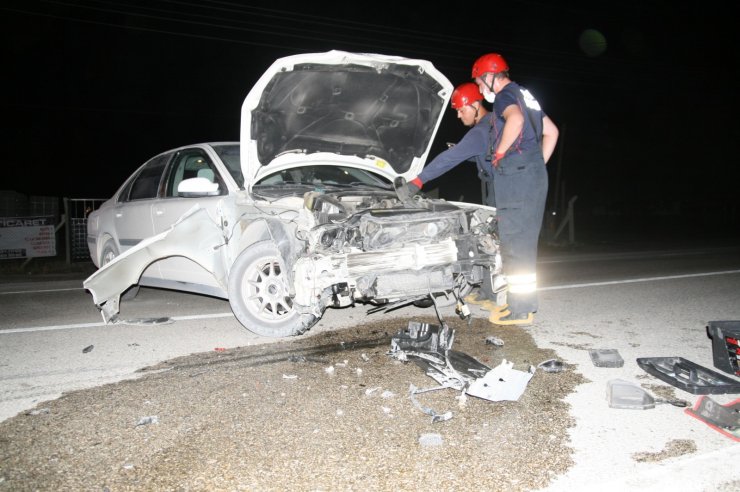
520,187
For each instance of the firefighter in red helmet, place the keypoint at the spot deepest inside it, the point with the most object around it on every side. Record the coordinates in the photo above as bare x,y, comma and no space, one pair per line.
467,101
522,139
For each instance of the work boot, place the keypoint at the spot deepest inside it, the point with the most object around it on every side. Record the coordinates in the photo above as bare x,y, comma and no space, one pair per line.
489,305
508,318
475,298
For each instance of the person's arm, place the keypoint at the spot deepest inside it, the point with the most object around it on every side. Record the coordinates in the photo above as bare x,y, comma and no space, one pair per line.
472,144
549,137
512,128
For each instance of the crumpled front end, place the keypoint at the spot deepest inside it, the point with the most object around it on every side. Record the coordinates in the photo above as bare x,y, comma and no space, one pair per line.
397,253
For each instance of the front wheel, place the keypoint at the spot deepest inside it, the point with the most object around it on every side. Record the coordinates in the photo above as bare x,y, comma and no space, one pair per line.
259,293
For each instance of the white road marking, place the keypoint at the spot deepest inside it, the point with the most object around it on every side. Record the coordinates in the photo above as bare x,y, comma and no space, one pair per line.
39,291
635,280
122,322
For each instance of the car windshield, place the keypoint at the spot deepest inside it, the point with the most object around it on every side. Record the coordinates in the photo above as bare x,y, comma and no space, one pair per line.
229,154
324,175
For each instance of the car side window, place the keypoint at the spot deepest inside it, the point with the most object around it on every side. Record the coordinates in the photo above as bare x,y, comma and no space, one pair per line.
146,183
188,164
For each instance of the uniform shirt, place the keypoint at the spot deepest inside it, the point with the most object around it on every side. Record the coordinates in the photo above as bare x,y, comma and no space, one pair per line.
530,136
472,147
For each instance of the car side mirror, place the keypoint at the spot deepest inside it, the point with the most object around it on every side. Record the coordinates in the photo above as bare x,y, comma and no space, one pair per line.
196,187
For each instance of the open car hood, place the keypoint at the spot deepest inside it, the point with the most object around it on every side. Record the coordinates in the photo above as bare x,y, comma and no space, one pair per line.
369,111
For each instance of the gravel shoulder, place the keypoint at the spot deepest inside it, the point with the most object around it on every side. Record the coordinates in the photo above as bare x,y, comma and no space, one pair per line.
275,417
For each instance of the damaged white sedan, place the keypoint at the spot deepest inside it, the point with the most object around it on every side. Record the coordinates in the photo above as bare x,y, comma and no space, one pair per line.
302,214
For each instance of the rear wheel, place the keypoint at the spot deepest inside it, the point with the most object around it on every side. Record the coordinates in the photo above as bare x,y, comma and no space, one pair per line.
110,251
259,293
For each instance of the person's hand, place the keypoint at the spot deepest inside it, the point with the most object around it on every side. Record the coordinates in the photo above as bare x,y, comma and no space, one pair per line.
496,158
406,190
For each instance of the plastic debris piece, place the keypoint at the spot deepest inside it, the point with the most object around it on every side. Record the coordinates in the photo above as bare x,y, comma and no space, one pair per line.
290,376
500,383
370,391
688,376
623,394
219,349
606,358
386,410
550,365
491,340
88,349
430,439
365,357
725,419
329,370
152,419
340,412
387,394
358,371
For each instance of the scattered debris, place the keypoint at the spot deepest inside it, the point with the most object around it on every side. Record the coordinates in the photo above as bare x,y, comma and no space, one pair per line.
688,376
501,383
387,394
623,394
550,365
725,419
491,340
152,419
370,391
606,357
430,439
37,411
725,337
88,349
429,346
436,417
145,321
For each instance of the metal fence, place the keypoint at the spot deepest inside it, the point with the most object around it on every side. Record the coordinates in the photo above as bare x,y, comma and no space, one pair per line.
76,211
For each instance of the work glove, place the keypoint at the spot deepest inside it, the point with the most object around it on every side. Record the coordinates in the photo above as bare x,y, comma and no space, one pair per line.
406,190
496,158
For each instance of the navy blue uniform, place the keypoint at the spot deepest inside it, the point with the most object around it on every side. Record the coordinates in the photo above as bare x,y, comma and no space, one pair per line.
472,147
520,184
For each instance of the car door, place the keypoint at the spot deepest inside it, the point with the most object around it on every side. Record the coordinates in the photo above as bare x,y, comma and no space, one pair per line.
186,163
132,214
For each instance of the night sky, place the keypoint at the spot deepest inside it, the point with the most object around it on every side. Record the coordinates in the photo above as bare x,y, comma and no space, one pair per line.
92,89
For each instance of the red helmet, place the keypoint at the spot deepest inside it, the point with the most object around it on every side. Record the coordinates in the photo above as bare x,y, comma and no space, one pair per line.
465,95
489,63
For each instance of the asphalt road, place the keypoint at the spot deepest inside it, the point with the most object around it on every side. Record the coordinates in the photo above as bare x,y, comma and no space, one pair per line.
643,303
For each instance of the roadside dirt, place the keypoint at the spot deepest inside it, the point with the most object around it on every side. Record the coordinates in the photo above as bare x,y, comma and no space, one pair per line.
276,417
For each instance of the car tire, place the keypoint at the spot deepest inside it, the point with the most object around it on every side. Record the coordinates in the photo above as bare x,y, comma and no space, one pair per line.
259,293
110,251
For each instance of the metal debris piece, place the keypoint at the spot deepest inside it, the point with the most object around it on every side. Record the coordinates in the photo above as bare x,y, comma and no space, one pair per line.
146,321
501,383
152,419
551,365
436,417
491,340
88,349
